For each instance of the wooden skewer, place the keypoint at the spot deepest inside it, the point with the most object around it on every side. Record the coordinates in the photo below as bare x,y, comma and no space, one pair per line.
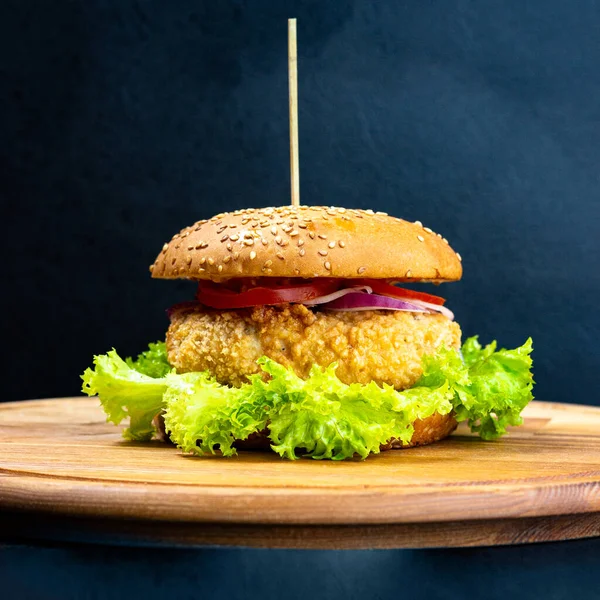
293,91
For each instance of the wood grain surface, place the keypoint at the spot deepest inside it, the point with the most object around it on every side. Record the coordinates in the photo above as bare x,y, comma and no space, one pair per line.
67,474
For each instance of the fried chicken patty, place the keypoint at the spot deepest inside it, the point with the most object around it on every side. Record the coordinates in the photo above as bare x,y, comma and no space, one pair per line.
380,346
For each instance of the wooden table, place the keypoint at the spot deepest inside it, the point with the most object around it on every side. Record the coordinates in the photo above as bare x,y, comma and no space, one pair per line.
67,475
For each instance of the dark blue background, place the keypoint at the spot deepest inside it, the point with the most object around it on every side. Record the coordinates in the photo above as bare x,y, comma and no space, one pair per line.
545,572
122,121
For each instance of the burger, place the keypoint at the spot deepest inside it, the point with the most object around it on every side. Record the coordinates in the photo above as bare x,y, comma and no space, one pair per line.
307,337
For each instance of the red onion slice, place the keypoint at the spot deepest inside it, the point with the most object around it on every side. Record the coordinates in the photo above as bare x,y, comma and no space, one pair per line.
356,301
338,294
442,310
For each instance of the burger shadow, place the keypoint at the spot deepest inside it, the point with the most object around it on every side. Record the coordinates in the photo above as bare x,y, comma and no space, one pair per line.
269,456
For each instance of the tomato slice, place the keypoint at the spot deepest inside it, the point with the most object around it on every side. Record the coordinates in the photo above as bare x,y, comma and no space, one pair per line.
244,293
386,289
221,297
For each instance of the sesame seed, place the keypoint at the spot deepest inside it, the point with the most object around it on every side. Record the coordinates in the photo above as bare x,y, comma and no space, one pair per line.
249,242
165,246
252,255
221,229
323,252
459,257
201,270
322,236
211,261
227,259
220,268
311,235
274,230
300,242
248,234
229,246
341,243
427,230
190,247
408,273
302,252
294,233
189,260
244,221
278,240
361,270
232,225
327,265
284,243
445,240
224,238
265,241
369,211
203,260
236,255
204,245
419,223
151,268
383,214
331,244
302,225
268,263
279,255
420,238
185,234
234,238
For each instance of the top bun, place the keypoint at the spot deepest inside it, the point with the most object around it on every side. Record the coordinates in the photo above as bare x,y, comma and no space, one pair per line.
307,241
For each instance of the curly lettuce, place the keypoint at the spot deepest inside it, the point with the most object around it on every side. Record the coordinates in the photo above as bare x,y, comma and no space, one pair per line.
320,417
125,392
153,362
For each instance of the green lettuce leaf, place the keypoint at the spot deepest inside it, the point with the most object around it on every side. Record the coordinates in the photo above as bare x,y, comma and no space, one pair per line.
490,388
153,362
319,417
201,415
125,392
501,387
327,418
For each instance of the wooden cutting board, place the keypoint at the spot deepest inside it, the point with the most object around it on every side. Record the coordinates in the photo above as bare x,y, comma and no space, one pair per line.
65,474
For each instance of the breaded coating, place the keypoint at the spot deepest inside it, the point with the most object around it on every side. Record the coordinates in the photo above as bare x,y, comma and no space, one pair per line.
380,346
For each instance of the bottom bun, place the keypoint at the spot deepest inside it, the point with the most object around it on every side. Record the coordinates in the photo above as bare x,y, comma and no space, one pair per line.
429,430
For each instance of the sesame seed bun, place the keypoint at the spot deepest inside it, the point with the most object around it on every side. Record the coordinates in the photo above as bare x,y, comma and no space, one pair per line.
307,241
